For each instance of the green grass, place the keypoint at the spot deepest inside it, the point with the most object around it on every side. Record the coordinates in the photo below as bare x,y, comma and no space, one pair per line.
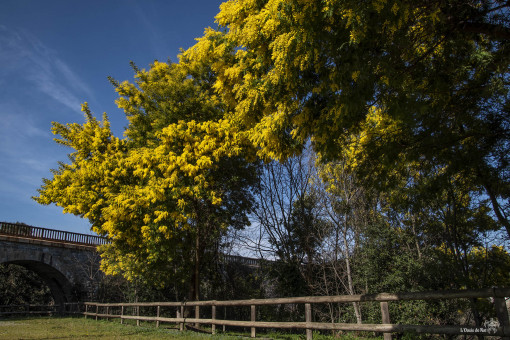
81,328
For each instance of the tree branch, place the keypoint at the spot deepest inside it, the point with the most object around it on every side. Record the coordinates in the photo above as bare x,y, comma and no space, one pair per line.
497,32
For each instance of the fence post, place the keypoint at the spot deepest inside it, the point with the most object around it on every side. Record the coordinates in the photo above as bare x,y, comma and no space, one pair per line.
252,307
213,316
181,325
107,313
385,312
86,310
97,310
121,314
308,319
197,316
224,317
138,314
157,315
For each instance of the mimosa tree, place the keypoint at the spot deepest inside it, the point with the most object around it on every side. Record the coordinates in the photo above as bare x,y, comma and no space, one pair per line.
166,193
400,81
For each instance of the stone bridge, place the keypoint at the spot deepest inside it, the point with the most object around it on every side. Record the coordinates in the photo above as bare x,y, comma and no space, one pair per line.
67,262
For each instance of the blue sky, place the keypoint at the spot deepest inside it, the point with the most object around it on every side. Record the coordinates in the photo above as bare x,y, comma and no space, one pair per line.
55,55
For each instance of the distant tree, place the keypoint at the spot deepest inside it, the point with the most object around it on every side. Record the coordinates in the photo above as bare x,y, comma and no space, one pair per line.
347,208
286,213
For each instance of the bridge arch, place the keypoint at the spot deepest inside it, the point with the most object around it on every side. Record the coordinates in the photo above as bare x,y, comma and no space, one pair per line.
63,260
60,287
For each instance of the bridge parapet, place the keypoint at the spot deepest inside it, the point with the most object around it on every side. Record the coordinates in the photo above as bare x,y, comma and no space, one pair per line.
246,261
27,231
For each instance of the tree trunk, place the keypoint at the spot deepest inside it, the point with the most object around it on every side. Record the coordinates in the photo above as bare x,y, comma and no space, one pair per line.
194,287
357,310
196,282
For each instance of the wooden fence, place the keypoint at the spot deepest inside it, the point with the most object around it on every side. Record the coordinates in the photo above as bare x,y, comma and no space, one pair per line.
501,327
27,309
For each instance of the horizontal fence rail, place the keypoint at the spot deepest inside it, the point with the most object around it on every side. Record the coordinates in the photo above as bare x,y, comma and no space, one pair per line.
27,231
28,309
496,295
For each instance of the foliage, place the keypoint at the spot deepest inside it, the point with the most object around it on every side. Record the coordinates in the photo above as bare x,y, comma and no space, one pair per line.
405,105
21,286
296,249
396,81
411,98
165,194
238,282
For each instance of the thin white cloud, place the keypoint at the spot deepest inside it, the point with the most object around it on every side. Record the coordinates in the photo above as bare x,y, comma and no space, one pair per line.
22,157
17,127
72,78
23,55
145,15
34,84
